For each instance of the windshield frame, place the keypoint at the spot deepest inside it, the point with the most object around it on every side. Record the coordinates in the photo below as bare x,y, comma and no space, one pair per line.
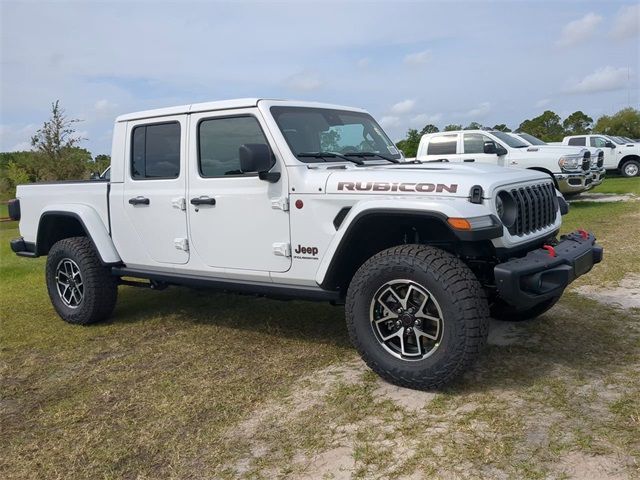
275,111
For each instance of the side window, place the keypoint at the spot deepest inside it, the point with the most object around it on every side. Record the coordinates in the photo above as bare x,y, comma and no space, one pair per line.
219,140
597,142
155,151
578,141
474,142
442,145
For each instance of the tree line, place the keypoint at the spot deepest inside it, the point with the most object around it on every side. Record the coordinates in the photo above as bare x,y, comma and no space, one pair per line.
56,153
548,126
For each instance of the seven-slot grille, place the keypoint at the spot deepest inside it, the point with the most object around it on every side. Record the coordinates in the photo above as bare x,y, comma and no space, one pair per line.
537,208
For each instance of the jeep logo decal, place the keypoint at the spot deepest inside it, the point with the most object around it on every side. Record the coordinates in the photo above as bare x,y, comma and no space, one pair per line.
313,251
397,187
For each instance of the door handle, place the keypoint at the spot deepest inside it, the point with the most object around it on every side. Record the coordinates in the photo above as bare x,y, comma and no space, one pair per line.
139,201
469,160
203,201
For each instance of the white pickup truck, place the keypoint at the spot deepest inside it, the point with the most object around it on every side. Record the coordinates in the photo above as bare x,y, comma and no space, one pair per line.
618,154
598,172
308,201
570,171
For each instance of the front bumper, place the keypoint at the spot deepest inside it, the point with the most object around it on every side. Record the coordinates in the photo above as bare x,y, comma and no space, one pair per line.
597,176
538,276
573,182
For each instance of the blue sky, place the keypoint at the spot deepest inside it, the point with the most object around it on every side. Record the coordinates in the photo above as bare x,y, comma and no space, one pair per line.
407,63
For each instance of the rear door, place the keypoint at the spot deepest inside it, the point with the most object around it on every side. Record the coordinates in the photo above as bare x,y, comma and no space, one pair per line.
443,147
154,189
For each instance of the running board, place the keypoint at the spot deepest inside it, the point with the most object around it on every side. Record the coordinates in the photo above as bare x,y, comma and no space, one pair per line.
272,290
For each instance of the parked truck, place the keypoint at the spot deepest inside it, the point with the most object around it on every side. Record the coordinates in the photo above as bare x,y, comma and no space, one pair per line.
570,171
308,201
598,172
619,155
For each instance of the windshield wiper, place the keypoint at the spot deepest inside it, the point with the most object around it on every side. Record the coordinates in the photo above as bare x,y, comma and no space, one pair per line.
371,154
329,155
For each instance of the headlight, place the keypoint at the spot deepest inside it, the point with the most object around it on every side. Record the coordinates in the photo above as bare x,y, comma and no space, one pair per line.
570,162
506,208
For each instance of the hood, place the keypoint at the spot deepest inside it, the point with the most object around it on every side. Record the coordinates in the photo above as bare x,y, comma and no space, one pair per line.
548,150
442,179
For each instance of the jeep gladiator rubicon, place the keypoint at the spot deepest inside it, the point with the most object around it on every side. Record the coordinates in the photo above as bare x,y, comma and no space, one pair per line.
569,170
308,201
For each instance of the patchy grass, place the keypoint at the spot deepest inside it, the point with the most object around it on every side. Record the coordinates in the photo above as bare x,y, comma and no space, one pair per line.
188,384
619,185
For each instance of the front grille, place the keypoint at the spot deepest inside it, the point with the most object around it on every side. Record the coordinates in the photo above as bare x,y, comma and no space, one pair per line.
537,208
600,160
586,162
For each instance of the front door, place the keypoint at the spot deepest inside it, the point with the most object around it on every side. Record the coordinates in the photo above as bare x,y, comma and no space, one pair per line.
236,220
154,189
474,147
610,158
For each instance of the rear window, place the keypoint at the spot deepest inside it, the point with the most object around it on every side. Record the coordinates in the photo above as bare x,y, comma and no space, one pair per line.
578,141
155,151
442,145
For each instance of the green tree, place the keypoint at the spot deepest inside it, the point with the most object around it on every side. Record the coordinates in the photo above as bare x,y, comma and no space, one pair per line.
101,162
56,145
546,127
474,126
429,129
626,122
501,127
452,127
409,145
578,123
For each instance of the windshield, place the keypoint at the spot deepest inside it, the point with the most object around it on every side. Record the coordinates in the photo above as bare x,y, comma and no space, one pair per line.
531,139
315,130
509,140
618,140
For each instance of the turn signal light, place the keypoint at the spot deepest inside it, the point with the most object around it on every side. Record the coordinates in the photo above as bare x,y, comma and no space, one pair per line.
459,223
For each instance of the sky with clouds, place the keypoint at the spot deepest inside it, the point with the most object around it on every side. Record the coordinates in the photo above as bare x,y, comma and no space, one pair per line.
408,63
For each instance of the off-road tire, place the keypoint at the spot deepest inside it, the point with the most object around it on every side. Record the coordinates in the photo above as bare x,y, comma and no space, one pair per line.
465,314
627,169
507,313
99,286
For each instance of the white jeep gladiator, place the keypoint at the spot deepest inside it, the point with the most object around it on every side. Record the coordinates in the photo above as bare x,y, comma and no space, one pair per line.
570,171
308,201
620,155
598,172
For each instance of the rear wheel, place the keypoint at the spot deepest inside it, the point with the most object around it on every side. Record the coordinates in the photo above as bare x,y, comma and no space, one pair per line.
81,289
630,168
417,315
505,312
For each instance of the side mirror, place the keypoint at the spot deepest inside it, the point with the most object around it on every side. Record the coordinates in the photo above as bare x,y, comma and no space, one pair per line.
609,144
257,158
500,150
490,147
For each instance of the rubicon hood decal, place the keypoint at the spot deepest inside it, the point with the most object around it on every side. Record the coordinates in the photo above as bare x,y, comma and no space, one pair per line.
397,187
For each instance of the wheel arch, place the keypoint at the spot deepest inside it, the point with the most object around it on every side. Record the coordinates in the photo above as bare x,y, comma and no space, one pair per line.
372,230
626,158
59,222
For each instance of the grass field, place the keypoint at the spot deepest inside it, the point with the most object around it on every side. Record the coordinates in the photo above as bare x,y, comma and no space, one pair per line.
191,384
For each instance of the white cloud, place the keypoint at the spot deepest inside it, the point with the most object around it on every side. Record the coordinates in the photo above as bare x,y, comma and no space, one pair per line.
578,31
543,102
390,121
363,62
404,106
478,112
627,22
423,119
418,58
603,80
304,81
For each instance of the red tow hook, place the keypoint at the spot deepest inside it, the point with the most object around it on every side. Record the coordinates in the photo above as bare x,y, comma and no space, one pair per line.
583,233
551,250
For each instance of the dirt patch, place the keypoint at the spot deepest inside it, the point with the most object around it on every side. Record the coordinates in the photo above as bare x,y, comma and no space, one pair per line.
595,467
624,295
605,197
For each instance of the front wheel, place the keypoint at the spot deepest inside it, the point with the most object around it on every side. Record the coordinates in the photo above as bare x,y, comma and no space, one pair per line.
630,168
417,315
81,289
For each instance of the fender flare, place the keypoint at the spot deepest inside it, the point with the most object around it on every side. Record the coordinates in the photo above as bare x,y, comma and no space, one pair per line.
432,209
92,224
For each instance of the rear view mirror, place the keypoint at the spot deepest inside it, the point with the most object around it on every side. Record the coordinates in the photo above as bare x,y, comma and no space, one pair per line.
257,158
490,147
